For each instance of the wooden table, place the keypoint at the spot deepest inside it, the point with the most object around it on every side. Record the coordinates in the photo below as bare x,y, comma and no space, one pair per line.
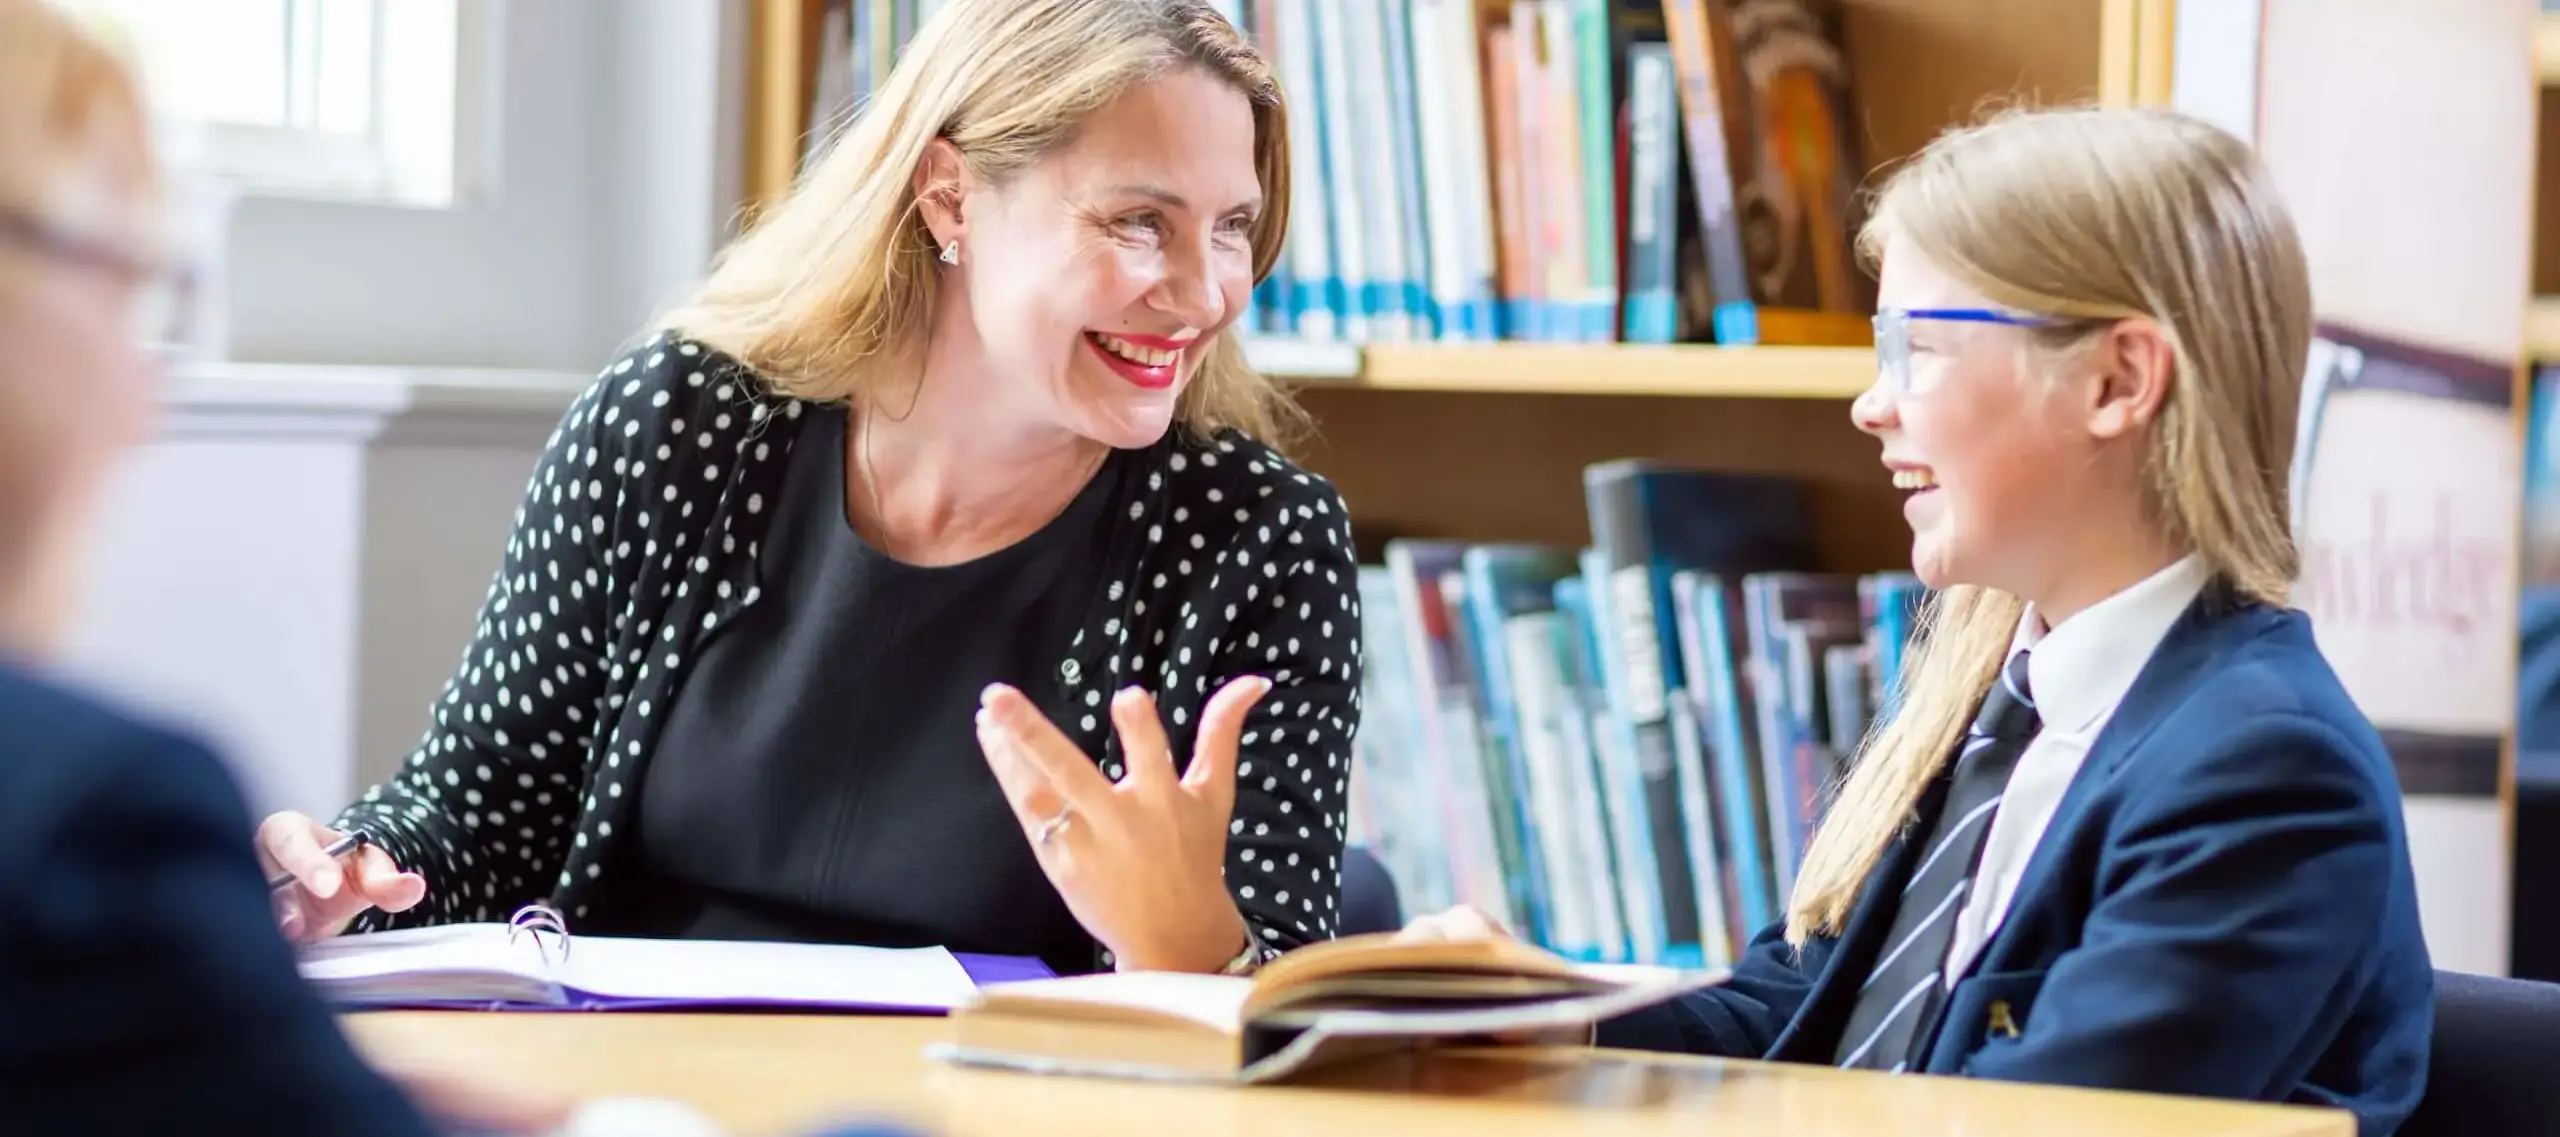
778,1075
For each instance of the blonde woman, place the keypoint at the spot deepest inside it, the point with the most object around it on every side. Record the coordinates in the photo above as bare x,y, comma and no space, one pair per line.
2127,830
146,988
925,580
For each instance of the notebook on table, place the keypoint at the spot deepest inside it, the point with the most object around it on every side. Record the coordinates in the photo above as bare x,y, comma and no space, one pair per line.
532,963
1349,997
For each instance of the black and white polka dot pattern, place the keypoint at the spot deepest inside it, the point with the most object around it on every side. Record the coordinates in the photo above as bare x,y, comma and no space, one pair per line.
638,538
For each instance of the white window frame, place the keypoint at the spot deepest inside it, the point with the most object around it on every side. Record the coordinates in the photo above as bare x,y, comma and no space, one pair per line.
433,65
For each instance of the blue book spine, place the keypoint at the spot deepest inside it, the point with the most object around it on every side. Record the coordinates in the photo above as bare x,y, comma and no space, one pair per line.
1737,791
1405,124
1265,309
1573,602
1479,318
1737,325
1621,779
1486,603
1652,317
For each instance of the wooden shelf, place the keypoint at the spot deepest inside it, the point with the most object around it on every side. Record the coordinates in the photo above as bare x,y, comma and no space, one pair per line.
1678,371
1616,369
2542,330
1303,359
2546,49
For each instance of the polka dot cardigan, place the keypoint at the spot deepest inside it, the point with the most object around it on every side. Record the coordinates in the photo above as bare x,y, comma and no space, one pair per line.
638,538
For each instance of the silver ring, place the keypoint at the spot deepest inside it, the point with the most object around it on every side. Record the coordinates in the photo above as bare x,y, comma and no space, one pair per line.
1050,827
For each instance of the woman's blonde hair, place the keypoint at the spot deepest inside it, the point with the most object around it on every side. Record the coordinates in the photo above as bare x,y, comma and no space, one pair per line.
68,102
831,293
2092,216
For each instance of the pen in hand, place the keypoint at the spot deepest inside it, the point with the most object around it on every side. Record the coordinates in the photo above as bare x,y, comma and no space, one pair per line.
353,841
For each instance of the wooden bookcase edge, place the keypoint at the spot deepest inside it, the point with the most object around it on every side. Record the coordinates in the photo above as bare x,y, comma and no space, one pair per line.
1515,368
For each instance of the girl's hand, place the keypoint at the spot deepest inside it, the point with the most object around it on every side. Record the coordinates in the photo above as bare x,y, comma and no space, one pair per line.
327,893
1459,923
1141,863
1465,923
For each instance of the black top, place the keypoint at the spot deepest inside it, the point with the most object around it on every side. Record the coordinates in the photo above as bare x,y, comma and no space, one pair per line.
820,777
146,988
638,549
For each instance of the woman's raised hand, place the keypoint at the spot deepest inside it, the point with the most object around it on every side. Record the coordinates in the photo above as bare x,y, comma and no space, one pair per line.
328,893
1140,863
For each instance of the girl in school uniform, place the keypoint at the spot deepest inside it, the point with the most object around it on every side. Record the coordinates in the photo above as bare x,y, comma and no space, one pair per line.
2127,830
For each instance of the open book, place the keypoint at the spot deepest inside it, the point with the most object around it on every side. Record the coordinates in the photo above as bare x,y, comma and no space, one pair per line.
1356,995
535,964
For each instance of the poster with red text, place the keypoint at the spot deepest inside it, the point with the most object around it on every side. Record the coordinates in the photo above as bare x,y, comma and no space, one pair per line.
2406,488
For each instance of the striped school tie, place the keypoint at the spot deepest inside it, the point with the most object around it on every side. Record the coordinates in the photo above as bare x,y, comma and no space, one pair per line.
1903,990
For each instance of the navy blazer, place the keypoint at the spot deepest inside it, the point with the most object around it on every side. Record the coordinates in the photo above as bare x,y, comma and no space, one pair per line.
2222,906
143,985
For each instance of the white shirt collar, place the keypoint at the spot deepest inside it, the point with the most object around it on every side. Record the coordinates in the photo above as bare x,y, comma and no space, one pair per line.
2081,670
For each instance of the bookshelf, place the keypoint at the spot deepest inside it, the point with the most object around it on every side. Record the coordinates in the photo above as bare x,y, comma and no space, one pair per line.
1700,371
1486,441
2546,48
2542,315
2542,328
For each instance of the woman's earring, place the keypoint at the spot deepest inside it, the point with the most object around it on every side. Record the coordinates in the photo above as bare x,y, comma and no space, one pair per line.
951,253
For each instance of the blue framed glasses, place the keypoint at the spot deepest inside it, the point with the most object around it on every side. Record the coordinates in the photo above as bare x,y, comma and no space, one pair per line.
1893,338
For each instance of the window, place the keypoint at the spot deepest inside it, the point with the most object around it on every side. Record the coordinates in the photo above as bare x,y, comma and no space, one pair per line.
345,99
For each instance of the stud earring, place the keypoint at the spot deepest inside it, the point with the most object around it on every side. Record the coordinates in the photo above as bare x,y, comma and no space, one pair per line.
951,253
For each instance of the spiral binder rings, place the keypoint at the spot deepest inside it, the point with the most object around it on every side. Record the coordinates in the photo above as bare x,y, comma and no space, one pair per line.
533,962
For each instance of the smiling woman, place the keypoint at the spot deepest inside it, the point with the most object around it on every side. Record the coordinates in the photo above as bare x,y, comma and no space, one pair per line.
926,578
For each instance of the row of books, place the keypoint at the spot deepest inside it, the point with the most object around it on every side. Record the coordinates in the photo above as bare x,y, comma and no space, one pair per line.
1645,171
1618,750
857,43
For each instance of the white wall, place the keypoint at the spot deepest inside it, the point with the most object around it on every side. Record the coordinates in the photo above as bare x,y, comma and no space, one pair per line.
292,569
222,597
670,152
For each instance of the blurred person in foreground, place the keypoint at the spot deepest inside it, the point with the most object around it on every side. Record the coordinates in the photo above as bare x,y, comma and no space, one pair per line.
143,982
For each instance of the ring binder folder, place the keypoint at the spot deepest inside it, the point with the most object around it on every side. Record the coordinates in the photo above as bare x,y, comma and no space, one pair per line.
533,920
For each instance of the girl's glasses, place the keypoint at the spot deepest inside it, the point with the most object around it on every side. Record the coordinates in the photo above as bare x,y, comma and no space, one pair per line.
1893,339
163,295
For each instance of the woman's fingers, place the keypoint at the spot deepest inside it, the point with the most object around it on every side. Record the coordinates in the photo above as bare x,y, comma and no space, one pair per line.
379,878
1039,769
293,843
1212,776
329,892
1144,749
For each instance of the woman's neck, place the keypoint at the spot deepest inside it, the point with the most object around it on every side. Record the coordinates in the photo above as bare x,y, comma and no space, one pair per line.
963,467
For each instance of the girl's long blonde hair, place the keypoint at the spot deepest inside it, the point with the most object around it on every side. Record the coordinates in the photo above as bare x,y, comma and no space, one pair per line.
830,294
2092,216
